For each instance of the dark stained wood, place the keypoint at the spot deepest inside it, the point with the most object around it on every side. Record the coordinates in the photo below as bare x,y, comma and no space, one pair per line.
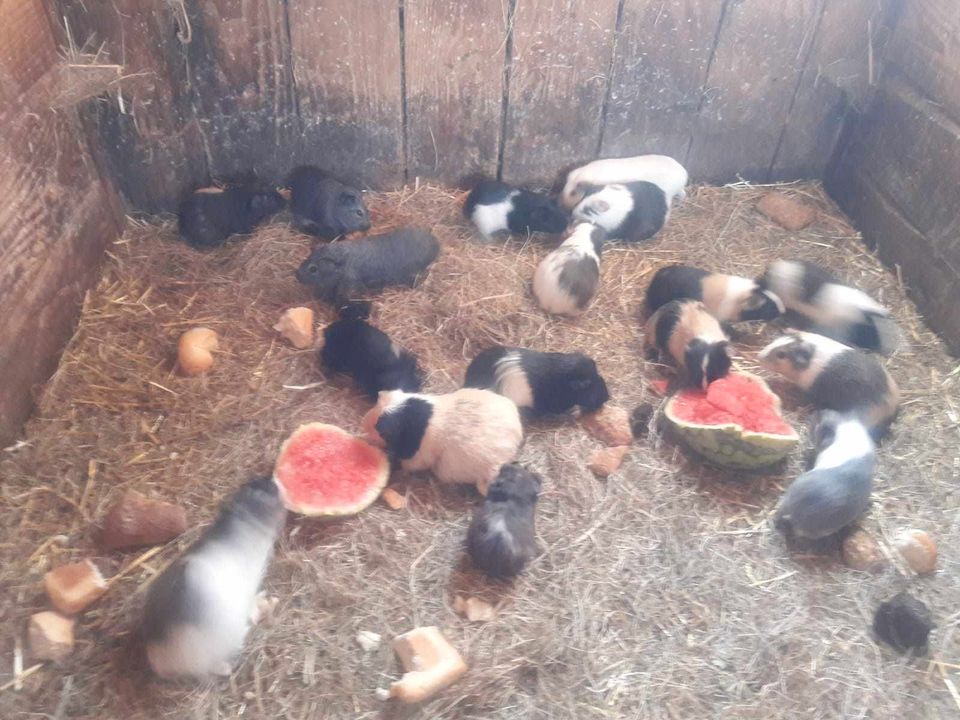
454,83
558,82
346,62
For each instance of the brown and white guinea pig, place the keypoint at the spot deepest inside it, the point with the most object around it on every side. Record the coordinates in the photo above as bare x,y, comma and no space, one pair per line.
663,171
199,609
501,539
462,437
323,206
625,211
210,215
495,206
835,376
727,297
545,382
685,331
830,307
567,279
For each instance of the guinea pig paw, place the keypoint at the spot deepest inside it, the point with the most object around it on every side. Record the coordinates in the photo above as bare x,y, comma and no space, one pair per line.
263,608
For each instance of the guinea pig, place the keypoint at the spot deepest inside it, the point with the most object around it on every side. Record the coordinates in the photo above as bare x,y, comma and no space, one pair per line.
212,214
830,307
323,206
837,490
495,206
340,269
727,297
625,211
664,172
685,331
546,382
836,377
199,609
501,539
462,437
567,279
352,345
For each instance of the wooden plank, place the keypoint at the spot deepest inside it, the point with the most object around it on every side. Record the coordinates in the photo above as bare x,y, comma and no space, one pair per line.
454,83
558,81
662,53
346,62
756,66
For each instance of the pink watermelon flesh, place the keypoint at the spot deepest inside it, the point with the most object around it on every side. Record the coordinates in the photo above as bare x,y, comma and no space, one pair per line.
737,399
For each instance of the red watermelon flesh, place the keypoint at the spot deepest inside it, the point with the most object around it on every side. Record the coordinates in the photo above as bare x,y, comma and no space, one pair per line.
737,398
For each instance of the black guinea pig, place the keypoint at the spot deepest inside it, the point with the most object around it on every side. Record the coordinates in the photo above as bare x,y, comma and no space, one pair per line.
495,206
212,214
323,206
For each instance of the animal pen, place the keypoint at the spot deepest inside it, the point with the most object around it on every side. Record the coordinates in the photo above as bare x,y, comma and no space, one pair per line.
661,591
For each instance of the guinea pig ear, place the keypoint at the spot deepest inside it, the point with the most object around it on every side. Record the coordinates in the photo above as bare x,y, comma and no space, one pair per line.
348,198
601,206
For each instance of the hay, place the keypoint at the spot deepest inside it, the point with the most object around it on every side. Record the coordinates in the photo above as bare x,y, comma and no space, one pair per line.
661,592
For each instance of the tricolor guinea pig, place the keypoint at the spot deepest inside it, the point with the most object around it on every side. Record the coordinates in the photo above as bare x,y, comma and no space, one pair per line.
625,211
727,297
567,279
835,376
495,206
462,437
686,332
199,609
830,307
323,206
664,172
545,382
210,215
837,490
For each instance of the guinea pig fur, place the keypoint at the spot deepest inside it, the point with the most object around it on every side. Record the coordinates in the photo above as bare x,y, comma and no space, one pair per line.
837,490
661,170
338,270
830,307
323,206
567,279
495,206
462,437
836,377
210,215
501,539
727,297
199,609
546,382
686,332
628,211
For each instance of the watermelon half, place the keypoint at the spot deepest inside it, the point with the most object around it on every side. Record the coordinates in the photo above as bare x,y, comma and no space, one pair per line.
324,471
736,424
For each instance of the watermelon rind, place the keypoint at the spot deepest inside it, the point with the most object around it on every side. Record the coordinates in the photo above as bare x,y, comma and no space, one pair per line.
363,500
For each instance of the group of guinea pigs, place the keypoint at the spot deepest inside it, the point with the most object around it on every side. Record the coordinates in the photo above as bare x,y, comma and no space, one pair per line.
474,434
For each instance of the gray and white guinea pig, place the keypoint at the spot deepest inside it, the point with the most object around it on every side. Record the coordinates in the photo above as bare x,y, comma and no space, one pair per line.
835,376
625,211
323,206
830,307
501,539
495,206
210,215
663,171
727,297
836,491
545,382
199,609
462,437
338,270
686,332
566,280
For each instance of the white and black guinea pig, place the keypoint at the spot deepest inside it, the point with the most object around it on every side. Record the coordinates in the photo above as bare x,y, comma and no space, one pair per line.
212,214
339,270
830,307
835,376
567,279
625,211
661,170
501,539
462,437
837,490
545,382
727,297
686,332
353,346
199,609
323,206
495,206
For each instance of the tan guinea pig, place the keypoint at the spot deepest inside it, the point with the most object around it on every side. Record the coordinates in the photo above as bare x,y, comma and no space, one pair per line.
462,437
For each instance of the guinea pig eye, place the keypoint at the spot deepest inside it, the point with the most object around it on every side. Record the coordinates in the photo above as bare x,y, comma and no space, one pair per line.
312,268
780,354
359,212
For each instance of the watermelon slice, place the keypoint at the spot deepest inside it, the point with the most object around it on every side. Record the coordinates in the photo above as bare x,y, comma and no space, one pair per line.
324,471
736,424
